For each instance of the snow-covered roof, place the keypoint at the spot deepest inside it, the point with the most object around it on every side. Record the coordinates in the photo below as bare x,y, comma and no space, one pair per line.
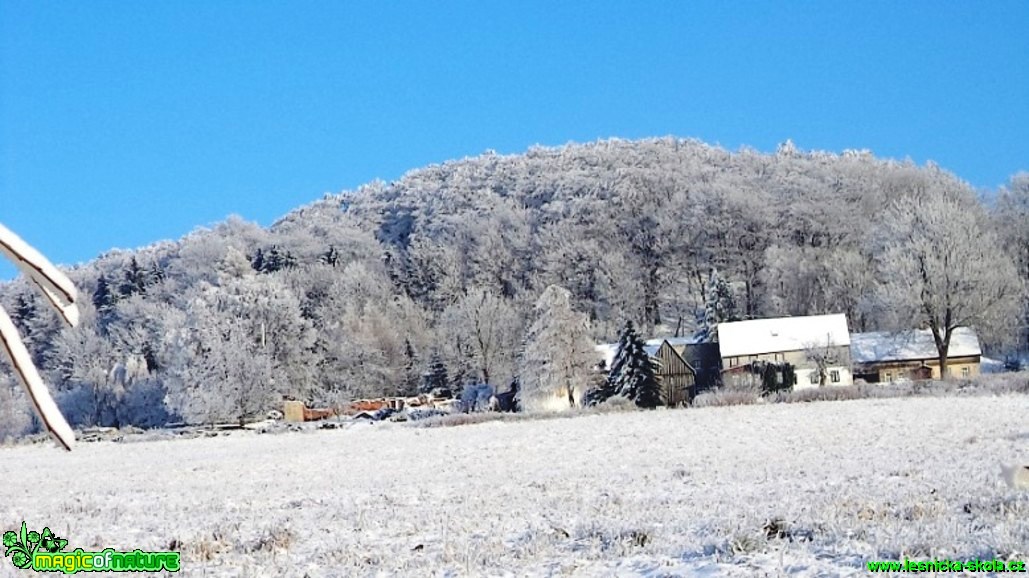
780,334
910,345
607,351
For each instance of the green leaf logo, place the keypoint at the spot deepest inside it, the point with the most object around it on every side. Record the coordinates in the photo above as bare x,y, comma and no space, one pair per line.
21,545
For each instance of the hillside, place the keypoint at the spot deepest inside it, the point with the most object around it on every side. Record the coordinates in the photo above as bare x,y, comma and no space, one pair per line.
354,294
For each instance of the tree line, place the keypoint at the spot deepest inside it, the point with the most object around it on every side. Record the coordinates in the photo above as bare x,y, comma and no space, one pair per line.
445,273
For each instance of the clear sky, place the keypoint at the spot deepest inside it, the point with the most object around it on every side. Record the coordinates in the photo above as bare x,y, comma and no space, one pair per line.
123,123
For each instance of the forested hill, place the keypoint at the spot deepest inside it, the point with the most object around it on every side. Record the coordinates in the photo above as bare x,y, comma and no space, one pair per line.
355,294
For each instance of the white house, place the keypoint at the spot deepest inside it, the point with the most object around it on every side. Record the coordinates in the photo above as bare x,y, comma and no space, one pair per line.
810,344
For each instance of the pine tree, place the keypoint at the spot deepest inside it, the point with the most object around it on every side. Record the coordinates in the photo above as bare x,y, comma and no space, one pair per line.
633,373
257,261
636,379
134,280
104,300
435,379
606,389
410,383
331,257
720,307
156,274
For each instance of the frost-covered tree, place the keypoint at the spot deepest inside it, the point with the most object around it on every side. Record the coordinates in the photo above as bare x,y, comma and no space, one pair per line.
483,330
1011,215
941,268
631,228
230,378
86,360
362,329
720,307
555,365
16,418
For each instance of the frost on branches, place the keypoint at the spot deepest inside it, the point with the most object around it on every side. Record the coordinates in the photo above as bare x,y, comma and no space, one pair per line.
556,361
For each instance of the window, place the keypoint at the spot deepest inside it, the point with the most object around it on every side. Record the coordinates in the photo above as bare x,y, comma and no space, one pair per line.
814,378
732,362
834,375
889,377
964,372
779,357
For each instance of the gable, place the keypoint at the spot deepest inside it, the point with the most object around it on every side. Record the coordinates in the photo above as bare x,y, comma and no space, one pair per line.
607,351
667,354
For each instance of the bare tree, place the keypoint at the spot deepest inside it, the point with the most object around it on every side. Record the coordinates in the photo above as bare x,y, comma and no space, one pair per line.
823,358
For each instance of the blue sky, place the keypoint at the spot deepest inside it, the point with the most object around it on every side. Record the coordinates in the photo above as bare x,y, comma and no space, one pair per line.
126,123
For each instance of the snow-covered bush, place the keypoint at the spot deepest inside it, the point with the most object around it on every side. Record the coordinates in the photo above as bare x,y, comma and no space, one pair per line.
730,395
475,397
615,404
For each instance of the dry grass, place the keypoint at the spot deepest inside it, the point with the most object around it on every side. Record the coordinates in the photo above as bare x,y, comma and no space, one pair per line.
773,489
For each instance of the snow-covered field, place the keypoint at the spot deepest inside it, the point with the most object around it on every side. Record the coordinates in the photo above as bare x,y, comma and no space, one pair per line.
665,493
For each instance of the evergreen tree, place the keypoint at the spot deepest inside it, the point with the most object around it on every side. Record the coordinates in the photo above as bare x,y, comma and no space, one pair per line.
636,379
134,280
789,376
104,300
410,384
331,257
257,261
435,379
33,327
156,274
24,309
720,307
633,373
607,389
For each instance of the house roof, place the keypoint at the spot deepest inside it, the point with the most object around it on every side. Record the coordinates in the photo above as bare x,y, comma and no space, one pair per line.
607,351
781,334
910,345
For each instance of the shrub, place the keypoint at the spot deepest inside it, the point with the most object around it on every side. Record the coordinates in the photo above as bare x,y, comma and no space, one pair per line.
728,395
616,403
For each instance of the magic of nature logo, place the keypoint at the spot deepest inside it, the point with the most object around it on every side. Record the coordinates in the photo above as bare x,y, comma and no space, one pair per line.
43,552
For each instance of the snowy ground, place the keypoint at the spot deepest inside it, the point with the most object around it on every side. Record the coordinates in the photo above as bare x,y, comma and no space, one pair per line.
666,493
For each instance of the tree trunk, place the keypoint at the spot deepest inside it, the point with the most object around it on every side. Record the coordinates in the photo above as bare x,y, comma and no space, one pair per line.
942,347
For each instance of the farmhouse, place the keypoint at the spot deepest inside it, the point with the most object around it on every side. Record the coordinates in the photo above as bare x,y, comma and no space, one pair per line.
818,347
883,357
677,377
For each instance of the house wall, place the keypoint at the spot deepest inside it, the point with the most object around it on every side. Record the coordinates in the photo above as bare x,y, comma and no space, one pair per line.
888,371
805,377
704,359
676,378
803,366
